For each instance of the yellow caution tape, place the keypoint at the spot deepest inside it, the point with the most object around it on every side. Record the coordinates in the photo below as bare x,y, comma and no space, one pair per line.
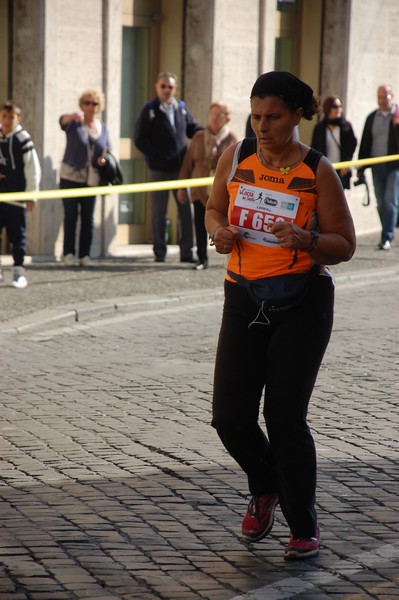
365,162
130,188
134,188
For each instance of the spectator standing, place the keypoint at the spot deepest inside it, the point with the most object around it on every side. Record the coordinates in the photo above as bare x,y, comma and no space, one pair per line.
19,172
278,208
87,142
200,160
161,133
380,137
334,137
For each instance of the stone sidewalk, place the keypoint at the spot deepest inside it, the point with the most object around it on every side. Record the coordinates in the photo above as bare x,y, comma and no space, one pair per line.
113,483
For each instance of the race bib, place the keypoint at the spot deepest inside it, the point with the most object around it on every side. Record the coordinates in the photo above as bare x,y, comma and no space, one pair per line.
256,209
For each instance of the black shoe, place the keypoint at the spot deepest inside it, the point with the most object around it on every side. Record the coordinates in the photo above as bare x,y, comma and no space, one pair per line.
159,259
201,265
188,260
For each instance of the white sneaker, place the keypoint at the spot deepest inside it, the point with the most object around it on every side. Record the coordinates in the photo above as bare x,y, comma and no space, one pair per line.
69,260
84,261
385,245
19,280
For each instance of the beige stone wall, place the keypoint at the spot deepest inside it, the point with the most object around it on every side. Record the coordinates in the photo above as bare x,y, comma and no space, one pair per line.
337,22
228,43
198,58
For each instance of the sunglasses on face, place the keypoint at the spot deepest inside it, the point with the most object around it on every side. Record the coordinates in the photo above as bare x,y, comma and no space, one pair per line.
336,105
90,103
170,87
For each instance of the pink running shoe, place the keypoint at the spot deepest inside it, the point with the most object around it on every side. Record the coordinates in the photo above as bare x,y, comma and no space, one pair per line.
300,548
259,517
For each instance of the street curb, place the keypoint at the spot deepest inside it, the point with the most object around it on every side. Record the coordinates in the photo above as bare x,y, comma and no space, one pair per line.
56,316
67,314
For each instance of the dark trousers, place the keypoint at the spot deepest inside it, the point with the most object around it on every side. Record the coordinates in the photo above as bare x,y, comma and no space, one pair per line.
280,360
72,207
201,234
13,218
159,204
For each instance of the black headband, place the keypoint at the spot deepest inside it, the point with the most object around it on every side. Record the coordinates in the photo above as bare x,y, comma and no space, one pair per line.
284,85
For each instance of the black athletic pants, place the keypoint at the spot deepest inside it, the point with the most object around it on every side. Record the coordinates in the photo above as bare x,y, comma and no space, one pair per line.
280,360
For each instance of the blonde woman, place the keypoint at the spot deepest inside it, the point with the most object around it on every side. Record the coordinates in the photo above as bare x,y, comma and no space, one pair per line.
86,143
200,160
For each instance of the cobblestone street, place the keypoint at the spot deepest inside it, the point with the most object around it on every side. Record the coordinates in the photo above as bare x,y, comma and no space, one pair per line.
114,485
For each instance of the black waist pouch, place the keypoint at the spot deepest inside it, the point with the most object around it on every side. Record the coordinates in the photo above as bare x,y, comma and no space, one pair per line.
280,292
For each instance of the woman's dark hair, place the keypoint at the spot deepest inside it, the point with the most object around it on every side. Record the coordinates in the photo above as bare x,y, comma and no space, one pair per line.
329,102
291,90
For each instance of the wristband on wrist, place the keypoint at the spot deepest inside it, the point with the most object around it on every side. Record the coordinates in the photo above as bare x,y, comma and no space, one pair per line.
212,236
314,238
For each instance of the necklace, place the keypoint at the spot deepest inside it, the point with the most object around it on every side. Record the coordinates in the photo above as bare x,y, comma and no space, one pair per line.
284,170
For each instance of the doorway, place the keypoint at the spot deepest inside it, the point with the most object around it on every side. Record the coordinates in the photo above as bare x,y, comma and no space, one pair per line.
140,51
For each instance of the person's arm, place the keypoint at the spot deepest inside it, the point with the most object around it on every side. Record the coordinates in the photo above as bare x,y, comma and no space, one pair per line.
185,172
365,144
348,146
187,166
141,132
353,141
32,172
335,239
77,117
217,224
319,138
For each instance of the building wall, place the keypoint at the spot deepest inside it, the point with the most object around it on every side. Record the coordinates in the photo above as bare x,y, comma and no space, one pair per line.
226,44
334,72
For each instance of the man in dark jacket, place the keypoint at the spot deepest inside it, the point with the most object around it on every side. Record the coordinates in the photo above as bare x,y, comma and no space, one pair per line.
381,138
161,133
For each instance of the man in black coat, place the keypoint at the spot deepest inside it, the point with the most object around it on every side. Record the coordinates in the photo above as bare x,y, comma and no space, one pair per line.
161,133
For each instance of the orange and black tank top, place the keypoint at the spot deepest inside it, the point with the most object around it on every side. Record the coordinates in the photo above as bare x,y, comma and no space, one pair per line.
260,197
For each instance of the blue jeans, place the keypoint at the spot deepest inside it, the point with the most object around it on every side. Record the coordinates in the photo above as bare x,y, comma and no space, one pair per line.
71,212
386,187
280,363
159,205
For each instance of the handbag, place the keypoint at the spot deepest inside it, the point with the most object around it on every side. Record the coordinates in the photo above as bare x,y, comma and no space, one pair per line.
280,292
110,173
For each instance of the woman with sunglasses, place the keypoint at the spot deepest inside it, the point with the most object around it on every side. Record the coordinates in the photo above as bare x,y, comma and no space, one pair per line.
87,142
334,137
